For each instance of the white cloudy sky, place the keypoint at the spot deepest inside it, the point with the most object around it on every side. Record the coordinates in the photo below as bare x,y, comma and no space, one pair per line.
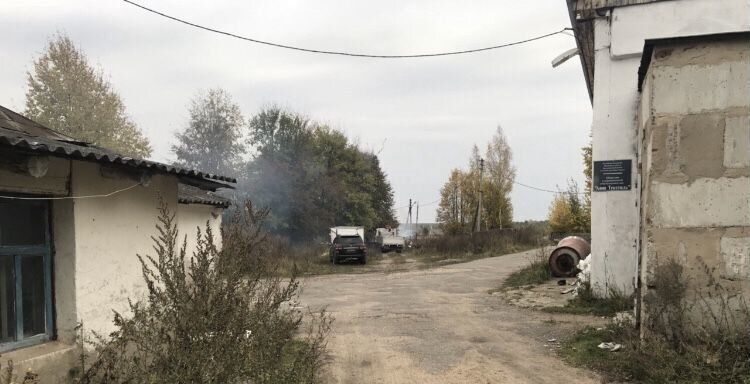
428,111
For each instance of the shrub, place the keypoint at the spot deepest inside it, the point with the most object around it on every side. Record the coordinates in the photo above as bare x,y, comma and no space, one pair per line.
536,272
685,337
495,241
217,318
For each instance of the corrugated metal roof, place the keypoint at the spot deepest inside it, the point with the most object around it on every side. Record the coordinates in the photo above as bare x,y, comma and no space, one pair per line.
187,194
21,133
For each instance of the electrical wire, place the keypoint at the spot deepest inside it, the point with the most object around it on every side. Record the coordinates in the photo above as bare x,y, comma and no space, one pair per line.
71,197
545,190
342,53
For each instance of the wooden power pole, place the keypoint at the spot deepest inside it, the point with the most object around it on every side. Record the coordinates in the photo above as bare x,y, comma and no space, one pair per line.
478,216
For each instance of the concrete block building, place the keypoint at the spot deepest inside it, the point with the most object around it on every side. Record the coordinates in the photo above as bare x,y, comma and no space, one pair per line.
694,140
669,133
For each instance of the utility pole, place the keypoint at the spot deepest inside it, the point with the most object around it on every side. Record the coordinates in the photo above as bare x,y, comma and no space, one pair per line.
416,227
455,203
408,217
478,216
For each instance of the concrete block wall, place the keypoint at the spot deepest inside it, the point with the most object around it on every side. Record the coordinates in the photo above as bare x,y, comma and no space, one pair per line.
695,129
619,37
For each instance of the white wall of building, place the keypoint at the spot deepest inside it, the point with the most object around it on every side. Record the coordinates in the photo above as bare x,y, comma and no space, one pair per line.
191,217
109,233
619,39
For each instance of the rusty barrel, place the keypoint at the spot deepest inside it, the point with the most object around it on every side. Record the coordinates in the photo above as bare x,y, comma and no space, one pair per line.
565,257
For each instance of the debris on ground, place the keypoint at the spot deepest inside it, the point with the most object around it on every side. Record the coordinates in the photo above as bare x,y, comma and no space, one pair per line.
562,282
583,277
566,291
624,318
611,347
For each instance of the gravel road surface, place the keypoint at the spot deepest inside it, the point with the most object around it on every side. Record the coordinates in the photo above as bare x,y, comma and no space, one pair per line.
440,325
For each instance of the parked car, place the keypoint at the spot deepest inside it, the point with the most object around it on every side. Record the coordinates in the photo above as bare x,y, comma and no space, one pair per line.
392,243
348,243
387,240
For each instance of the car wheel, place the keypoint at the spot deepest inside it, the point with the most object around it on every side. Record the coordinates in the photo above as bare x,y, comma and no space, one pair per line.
363,260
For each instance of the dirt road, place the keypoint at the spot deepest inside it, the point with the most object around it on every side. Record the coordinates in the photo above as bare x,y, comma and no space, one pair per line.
439,326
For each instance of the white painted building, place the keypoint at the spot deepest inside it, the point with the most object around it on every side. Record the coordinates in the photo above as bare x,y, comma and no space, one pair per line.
611,35
73,217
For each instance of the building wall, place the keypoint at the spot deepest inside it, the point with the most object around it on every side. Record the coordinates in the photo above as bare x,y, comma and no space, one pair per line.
695,123
619,38
95,243
109,233
54,182
190,217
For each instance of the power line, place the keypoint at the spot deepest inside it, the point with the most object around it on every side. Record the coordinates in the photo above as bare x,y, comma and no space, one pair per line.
71,197
544,190
423,205
514,182
341,53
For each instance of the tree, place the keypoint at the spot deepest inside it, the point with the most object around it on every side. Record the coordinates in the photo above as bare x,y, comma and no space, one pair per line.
212,140
460,194
561,218
500,175
567,214
587,172
450,212
66,94
311,177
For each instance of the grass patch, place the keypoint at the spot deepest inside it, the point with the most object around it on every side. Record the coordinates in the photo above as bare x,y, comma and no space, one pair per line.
698,336
585,303
582,350
651,361
537,272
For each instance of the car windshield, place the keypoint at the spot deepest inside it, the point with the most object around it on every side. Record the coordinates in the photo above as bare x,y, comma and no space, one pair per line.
349,240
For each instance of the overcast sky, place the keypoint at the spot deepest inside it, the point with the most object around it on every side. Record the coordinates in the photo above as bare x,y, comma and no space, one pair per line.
429,111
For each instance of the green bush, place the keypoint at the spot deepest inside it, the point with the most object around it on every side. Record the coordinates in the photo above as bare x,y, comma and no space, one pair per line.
220,317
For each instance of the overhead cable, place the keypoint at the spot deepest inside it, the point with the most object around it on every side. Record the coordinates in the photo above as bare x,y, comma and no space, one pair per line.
71,197
342,53
546,190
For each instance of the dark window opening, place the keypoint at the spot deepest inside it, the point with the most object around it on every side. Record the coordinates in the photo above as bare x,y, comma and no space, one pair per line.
7,299
25,274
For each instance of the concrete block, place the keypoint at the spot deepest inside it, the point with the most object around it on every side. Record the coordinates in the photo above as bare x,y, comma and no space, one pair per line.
737,142
702,203
735,252
694,89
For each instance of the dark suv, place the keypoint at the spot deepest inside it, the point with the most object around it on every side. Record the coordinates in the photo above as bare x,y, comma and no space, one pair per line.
348,247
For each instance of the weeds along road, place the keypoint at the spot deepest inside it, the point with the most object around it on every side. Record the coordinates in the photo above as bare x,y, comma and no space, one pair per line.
439,326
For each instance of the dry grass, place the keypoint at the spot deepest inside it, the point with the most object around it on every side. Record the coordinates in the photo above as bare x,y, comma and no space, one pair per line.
586,303
699,337
536,272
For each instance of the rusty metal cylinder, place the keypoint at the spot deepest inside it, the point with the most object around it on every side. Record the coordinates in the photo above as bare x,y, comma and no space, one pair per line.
563,260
